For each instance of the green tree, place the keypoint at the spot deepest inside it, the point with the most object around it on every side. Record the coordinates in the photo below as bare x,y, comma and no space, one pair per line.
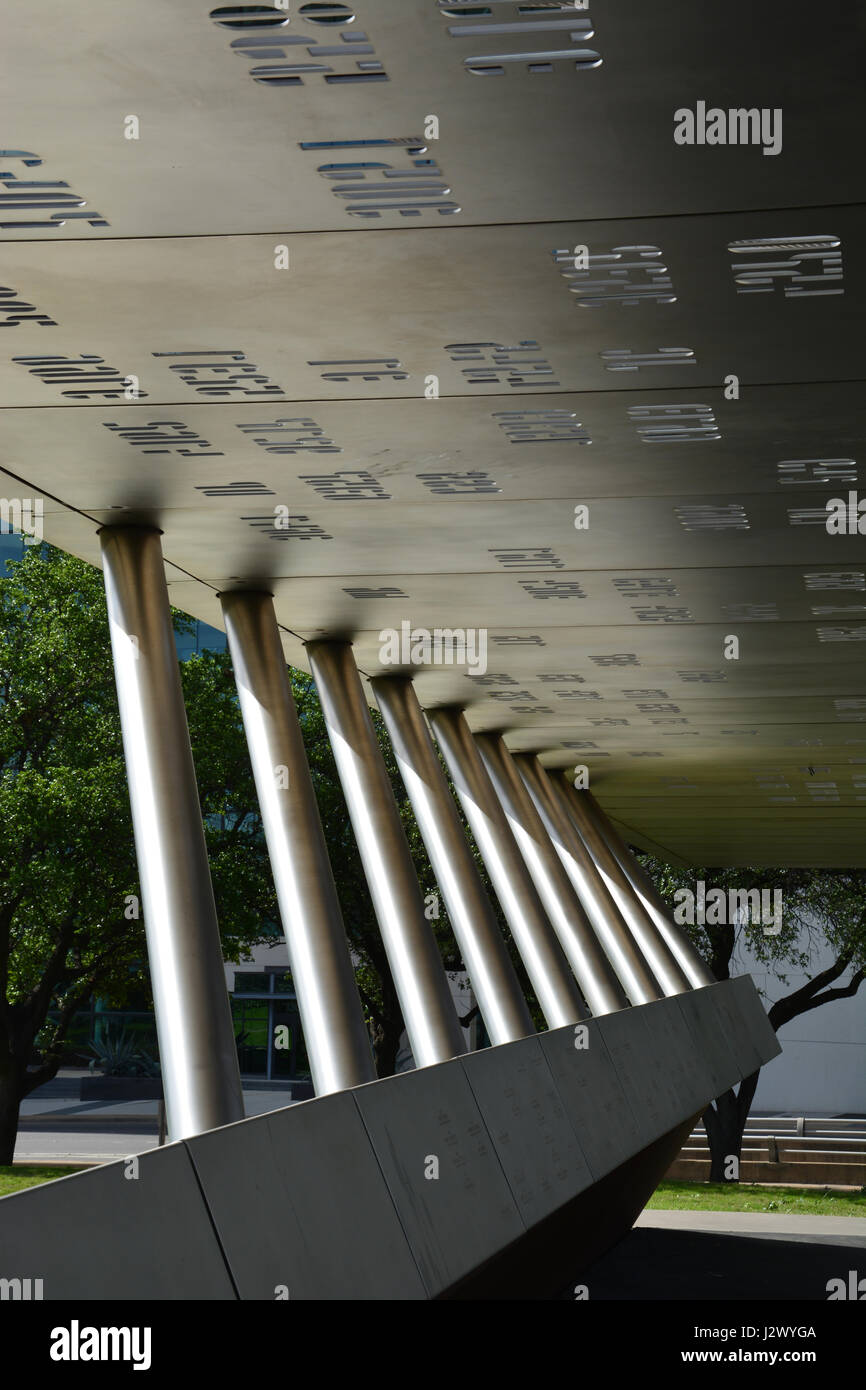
821,908
68,876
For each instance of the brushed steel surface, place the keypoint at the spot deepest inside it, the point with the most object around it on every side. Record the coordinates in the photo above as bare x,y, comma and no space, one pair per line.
539,948
622,950
334,307
692,964
196,1038
576,937
221,145
416,965
336,1040
651,940
491,974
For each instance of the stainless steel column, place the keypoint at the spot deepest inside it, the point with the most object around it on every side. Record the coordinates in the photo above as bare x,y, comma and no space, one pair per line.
419,977
694,967
659,956
631,969
193,1018
335,1035
500,998
576,937
536,941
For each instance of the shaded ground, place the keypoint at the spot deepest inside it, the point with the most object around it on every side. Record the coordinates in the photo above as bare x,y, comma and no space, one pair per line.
788,1258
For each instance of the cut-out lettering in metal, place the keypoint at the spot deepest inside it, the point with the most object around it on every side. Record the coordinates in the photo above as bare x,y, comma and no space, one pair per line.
728,516
293,435
26,196
14,311
88,373
537,39
500,365
814,266
625,360
541,558
409,183
553,588
541,426
350,485
625,275
164,437
285,58
674,424
240,489
363,369
459,484
236,376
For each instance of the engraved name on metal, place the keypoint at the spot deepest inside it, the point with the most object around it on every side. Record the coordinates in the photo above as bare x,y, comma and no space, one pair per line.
363,369
291,435
536,38
541,426
102,381
15,311
235,376
371,188
625,275
674,424
286,59
349,485
520,364
26,196
165,437
812,267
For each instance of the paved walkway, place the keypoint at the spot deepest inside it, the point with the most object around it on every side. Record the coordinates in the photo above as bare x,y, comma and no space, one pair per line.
57,1126
757,1223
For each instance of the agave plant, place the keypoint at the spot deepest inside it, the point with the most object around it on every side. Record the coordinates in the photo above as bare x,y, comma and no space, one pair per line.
121,1055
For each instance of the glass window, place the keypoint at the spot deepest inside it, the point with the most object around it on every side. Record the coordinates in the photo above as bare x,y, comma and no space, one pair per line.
250,1018
251,982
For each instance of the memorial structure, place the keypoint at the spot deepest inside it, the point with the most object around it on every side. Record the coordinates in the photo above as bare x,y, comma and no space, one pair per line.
467,356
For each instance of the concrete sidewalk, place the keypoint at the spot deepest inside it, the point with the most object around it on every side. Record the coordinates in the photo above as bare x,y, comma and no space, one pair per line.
785,1225
56,1126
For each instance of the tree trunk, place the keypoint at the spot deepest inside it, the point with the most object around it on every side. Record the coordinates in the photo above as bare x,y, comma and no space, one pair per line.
10,1103
386,1045
725,1122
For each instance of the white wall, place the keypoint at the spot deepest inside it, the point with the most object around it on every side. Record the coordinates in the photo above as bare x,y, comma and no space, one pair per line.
822,1068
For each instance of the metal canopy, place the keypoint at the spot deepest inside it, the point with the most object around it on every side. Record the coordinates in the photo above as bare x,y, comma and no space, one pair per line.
331,260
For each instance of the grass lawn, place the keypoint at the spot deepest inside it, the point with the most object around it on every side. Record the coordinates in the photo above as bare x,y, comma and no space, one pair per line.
15,1179
792,1201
